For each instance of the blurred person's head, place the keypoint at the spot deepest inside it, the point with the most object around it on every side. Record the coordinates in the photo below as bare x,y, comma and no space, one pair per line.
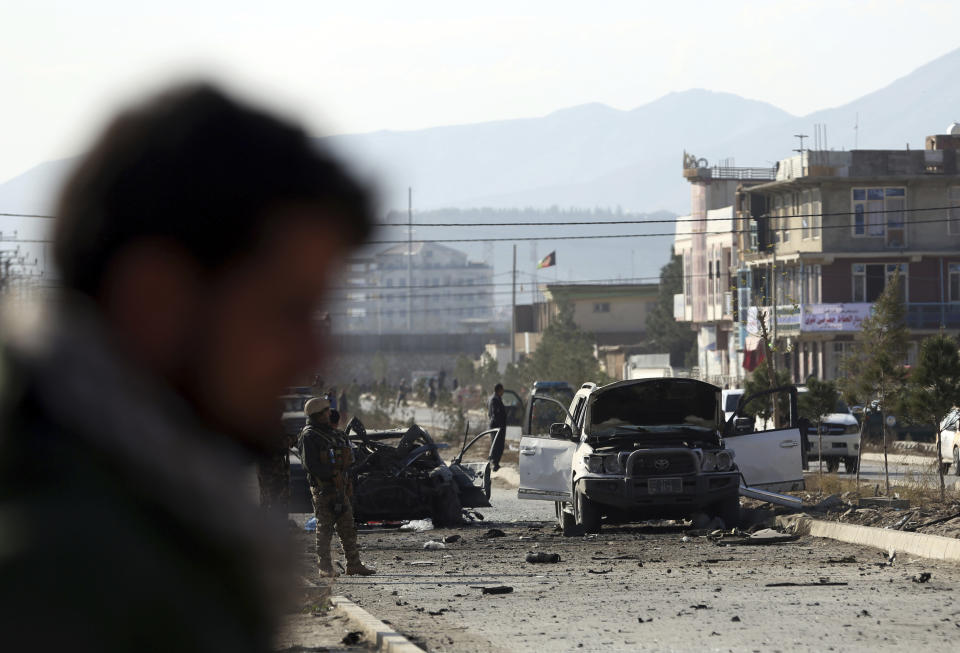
206,232
498,389
334,417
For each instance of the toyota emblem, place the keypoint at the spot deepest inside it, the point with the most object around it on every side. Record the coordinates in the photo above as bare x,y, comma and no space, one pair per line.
661,464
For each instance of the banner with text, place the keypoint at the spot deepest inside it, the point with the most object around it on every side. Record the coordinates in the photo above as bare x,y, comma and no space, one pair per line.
834,317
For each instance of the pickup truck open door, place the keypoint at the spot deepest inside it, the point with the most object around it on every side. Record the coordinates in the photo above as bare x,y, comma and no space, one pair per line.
770,459
546,468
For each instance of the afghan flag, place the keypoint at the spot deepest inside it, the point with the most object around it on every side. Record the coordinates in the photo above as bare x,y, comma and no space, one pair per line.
548,261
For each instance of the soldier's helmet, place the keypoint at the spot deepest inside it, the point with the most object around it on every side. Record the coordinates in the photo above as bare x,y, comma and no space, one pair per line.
316,405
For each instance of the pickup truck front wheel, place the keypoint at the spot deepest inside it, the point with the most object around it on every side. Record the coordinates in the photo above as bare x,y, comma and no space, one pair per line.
729,511
587,512
568,523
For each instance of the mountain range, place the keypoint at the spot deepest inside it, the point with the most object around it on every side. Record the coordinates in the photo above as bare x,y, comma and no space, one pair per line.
595,156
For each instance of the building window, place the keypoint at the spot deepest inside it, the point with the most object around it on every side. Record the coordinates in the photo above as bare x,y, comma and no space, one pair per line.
954,269
953,212
869,280
601,307
880,212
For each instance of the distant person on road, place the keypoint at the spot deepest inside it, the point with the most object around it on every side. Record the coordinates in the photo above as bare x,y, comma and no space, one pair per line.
343,402
498,420
194,244
327,456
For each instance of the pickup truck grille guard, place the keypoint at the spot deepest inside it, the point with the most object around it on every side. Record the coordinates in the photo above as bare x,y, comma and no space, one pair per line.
661,462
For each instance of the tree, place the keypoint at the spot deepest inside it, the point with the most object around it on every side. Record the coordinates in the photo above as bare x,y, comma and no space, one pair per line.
820,399
664,334
765,377
875,369
934,387
565,353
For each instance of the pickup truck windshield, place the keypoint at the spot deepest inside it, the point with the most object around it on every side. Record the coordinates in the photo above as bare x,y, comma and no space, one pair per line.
654,403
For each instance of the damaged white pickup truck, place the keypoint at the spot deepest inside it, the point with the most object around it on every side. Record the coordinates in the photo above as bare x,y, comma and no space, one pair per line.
655,448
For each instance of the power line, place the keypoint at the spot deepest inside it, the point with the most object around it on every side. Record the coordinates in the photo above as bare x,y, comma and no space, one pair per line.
677,220
575,223
664,234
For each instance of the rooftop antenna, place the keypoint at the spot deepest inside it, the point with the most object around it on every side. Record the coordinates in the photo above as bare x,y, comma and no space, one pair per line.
856,130
801,137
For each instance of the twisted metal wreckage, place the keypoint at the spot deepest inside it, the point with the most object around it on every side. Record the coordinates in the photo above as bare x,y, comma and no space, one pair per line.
398,474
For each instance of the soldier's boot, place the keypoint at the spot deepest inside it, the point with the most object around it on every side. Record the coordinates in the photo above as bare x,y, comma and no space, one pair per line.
325,564
355,567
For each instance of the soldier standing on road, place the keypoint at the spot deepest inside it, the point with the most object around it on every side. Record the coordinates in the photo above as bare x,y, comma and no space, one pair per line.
327,457
498,420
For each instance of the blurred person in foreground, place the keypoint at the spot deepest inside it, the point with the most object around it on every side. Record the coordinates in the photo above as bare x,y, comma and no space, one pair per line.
194,243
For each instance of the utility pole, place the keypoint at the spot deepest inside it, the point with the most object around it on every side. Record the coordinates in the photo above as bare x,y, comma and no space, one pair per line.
513,312
410,260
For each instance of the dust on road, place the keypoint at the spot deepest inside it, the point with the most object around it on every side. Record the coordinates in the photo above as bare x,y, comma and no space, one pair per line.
645,587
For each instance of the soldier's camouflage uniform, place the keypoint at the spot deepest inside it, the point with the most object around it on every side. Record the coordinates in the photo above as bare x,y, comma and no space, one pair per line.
327,455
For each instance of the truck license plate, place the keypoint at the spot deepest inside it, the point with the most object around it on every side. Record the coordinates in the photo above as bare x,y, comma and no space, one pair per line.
665,486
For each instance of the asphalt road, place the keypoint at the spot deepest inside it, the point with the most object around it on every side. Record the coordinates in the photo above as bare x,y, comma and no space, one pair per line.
644,587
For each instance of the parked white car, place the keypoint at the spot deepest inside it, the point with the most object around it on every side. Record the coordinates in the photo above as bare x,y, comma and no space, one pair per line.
841,438
949,442
647,448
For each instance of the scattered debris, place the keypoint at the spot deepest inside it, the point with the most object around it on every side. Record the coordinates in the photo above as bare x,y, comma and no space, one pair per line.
540,556
883,502
640,620
437,613
701,606
450,539
922,578
829,503
422,563
604,571
418,525
433,545
864,613
821,583
628,556
351,638
903,521
760,538
735,618
498,589
842,561
493,532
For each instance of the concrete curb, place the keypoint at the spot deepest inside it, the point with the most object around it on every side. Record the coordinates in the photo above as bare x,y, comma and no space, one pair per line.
387,639
918,544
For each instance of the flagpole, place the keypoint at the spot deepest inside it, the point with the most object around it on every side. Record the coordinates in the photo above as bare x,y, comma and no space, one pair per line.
513,312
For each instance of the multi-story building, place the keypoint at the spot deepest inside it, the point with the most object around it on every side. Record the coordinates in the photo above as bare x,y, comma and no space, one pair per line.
822,240
709,247
614,314
442,292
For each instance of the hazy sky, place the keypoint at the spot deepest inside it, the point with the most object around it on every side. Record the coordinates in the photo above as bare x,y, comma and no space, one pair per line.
368,65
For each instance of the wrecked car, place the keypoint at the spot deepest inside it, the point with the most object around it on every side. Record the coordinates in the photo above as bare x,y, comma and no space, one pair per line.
398,474
654,448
